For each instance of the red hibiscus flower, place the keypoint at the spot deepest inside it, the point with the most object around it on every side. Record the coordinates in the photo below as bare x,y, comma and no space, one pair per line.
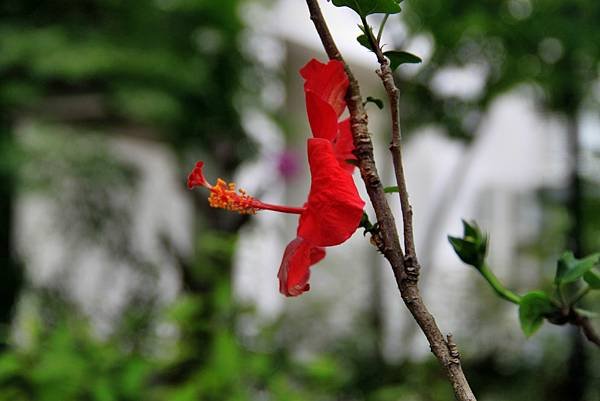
334,209
329,217
325,87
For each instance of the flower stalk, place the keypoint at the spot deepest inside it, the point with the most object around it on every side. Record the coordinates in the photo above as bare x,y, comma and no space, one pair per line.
497,286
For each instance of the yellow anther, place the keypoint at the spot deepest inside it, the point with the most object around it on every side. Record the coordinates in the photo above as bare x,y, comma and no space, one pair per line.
224,196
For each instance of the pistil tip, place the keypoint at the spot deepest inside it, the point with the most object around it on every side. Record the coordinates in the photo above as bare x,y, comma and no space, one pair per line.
196,177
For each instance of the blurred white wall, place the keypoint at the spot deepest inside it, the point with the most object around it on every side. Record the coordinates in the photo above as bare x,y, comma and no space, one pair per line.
102,283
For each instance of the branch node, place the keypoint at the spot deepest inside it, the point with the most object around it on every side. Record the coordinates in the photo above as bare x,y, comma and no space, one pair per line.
453,349
412,268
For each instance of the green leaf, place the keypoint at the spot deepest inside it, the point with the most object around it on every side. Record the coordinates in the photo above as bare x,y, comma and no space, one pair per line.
390,190
458,244
532,309
374,100
399,57
562,266
365,222
368,7
364,41
569,269
472,248
467,251
592,277
470,229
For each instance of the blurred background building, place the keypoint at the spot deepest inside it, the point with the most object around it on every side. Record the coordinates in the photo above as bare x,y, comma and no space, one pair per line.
118,283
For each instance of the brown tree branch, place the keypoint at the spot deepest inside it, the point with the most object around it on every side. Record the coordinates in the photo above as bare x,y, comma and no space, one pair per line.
575,318
588,331
405,268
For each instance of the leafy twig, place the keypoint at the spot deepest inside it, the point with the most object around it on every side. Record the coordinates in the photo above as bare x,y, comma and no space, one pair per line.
387,78
405,268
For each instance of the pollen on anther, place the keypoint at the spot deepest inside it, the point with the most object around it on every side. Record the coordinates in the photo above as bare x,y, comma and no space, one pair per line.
223,195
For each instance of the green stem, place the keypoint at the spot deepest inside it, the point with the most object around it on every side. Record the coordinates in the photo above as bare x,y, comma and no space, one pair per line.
561,296
580,295
381,28
369,33
497,285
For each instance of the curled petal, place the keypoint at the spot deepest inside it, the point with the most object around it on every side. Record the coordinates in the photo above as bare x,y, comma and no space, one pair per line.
343,146
328,81
294,271
321,116
334,208
196,178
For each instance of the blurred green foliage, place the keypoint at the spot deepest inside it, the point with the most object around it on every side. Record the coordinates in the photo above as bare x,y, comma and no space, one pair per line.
74,73
171,65
551,44
65,361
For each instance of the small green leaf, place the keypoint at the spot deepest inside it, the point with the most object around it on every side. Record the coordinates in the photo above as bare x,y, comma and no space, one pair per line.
374,100
368,7
467,251
470,229
581,267
365,222
398,57
458,244
364,41
472,248
532,309
569,269
592,277
390,190
562,266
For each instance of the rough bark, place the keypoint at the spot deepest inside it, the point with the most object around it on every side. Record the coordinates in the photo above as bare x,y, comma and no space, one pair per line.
404,267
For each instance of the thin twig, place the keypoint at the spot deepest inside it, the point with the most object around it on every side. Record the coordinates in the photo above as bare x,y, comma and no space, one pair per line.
406,275
587,328
381,28
387,78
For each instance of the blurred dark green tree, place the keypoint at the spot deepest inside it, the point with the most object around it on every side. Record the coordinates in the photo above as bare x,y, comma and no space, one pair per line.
166,70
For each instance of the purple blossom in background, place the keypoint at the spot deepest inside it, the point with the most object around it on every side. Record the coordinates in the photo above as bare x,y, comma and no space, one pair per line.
288,164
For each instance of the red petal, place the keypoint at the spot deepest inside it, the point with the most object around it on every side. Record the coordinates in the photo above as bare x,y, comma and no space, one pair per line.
344,145
311,68
334,208
294,271
321,116
328,81
196,178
